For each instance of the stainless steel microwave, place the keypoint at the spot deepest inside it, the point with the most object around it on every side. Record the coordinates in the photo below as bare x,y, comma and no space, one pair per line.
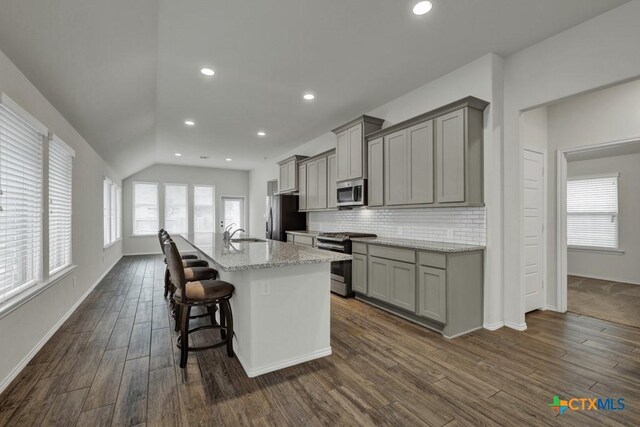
352,193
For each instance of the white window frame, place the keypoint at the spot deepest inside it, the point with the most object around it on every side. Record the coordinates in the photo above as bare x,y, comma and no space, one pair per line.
213,205
133,213
595,248
114,216
166,207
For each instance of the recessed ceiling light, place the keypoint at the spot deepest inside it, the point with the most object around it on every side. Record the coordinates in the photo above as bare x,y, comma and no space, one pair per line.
189,123
207,71
422,7
309,96
177,154
262,133
228,160
204,157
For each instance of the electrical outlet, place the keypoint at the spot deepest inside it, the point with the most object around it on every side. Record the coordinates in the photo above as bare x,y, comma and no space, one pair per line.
266,288
449,233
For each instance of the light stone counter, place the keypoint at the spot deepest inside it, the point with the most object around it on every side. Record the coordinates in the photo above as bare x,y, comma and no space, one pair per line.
424,245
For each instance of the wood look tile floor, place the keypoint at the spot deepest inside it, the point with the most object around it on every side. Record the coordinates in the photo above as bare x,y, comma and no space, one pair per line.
114,363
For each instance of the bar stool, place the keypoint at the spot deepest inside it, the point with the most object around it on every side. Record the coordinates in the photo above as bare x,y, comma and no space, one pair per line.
200,293
188,261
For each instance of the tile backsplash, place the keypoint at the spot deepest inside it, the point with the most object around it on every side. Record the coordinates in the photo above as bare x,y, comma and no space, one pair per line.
454,225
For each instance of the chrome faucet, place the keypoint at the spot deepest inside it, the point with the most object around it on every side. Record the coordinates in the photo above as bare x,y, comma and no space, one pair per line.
227,235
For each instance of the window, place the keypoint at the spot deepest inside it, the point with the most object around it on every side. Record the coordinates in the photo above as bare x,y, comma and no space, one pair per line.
112,212
60,164
592,212
175,208
21,161
233,211
203,208
145,208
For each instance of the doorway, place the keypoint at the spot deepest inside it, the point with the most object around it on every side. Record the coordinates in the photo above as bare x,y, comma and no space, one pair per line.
232,212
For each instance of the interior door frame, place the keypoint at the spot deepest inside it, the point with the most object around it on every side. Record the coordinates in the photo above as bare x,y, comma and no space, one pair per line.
561,214
543,152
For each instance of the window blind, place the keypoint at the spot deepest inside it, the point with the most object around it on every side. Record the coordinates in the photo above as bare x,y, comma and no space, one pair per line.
60,166
176,208
203,208
145,211
592,212
20,203
118,213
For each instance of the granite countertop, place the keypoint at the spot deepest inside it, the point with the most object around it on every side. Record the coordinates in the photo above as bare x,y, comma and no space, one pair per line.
238,256
420,244
304,232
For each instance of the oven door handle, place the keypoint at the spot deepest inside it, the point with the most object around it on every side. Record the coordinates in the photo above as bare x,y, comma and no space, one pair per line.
329,246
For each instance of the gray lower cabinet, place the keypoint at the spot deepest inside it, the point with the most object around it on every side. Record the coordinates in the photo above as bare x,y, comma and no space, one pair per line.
440,290
402,285
332,178
432,293
376,172
359,273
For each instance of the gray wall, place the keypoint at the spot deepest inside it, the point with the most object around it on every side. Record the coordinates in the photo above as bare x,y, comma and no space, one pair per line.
227,182
625,267
22,330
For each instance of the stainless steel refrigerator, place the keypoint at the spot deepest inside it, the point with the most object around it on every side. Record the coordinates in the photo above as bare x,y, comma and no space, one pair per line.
282,215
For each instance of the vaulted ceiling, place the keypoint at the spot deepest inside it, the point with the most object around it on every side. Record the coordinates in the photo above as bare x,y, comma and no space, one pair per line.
126,73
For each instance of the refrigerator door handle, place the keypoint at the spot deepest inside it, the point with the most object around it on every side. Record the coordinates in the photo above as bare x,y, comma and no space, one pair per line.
270,223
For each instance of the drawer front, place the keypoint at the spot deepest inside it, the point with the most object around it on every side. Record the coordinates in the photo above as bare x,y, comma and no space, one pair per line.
290,238
432,259
403,255
359,248
303,240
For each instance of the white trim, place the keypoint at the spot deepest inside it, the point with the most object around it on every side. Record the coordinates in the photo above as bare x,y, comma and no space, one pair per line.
595,249
254,372
25,361
594,176
22,113
543,152
107,246
493,326
33,291
517,326
65,146
550,307
608,279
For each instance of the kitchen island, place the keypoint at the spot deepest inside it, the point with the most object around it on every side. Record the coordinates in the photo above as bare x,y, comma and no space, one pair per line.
281,304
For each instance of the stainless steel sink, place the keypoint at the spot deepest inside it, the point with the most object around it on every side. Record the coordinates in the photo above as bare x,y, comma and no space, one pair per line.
247,240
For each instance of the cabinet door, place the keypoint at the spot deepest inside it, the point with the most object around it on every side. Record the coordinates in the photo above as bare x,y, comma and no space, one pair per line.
450,157
402,285
291,172
284,178
395,168
343,152
378,278
375,165
312,185
432,293
355,152
359,273
332,177
420,163
302,187
321,182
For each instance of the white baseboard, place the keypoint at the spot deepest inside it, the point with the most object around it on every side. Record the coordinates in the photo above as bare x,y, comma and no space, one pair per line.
254,372
493,326
516,326
550,307
608,279
24,362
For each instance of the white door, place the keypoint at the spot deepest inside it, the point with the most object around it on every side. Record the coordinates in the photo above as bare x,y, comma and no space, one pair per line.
232,212
533,219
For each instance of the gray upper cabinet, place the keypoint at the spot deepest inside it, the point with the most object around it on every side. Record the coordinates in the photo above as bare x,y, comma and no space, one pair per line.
302,187
288,177
432,160
375,164
312,184
450,143
332,178
321,183
351,149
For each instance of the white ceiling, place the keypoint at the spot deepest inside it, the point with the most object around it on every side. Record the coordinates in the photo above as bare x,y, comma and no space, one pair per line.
126,73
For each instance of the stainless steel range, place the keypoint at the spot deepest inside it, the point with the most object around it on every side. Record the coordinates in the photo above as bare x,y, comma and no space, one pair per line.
340,271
